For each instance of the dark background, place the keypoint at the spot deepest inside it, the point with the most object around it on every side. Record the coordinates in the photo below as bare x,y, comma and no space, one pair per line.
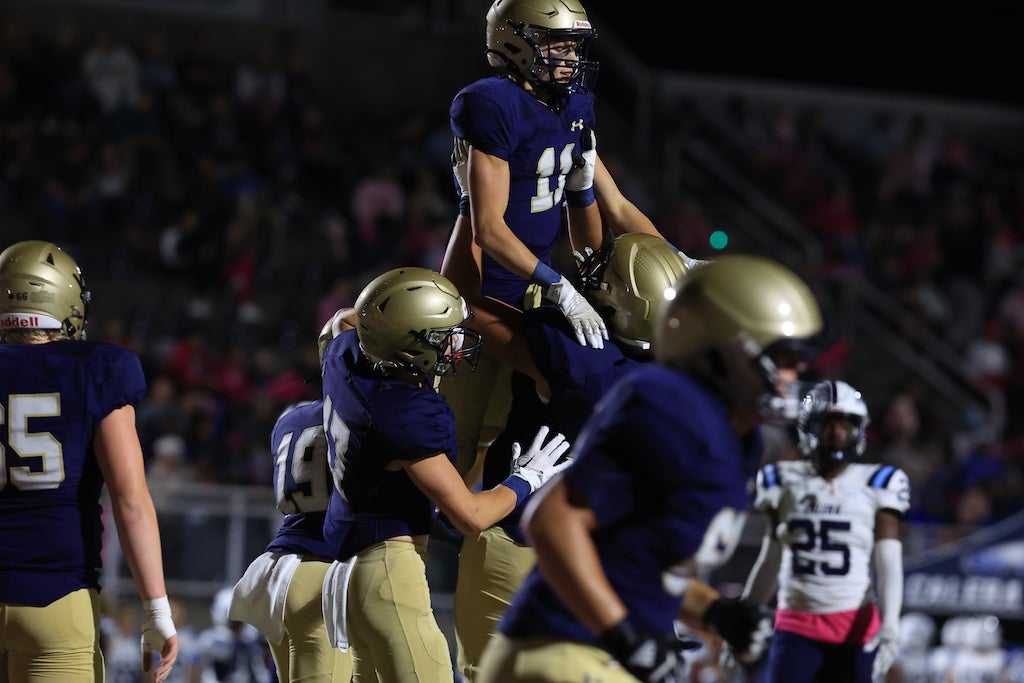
962,50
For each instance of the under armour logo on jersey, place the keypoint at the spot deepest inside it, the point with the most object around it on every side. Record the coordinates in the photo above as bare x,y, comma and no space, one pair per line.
576,125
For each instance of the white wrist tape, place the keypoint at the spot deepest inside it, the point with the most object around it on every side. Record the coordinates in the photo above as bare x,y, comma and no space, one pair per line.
157,625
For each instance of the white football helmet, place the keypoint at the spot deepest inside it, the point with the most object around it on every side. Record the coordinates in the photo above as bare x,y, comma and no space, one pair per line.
820,438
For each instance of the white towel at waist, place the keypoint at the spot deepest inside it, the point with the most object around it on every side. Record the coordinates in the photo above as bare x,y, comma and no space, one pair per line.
335,602
259,596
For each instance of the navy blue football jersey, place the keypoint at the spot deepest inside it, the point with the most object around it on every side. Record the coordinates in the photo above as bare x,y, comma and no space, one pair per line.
664,472
498,117
302,480
52,398
578,376
371,422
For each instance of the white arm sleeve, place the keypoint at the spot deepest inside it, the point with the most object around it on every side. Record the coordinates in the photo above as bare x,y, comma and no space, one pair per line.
764,574
888,558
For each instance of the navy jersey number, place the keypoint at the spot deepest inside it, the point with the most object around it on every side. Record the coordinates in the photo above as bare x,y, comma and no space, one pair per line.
816,538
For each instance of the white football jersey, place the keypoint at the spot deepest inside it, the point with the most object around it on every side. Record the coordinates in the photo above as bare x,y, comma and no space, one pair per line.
827,530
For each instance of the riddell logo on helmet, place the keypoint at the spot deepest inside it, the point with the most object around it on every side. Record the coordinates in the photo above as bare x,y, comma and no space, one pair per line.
20,321
580,23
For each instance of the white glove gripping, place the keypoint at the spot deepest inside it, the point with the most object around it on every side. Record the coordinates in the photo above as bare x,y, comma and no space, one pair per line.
460,173
888,559
692,263
579,183
587,325
157,625
537,465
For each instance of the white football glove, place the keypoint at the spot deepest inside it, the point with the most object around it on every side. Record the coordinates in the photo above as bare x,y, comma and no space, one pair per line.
885,656
157,629
587,325
537,465
692,263
581,177
460,166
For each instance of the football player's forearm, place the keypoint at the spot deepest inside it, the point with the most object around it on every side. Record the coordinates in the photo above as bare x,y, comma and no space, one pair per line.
500,243
139,535
585,228
696,600
479,511
619,214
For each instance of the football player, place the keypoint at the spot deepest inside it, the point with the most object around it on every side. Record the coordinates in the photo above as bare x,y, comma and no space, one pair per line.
524,139
281,590
658,489
830,517
625,282
67,410
391,446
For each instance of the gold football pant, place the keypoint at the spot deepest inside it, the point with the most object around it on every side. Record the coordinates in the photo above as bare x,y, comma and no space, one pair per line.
391,625
480,402
540,660
305,655
58,643
491,568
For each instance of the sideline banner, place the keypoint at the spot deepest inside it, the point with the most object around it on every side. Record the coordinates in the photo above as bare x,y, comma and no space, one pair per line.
982,573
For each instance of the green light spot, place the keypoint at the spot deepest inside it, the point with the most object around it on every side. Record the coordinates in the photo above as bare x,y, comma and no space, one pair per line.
718,240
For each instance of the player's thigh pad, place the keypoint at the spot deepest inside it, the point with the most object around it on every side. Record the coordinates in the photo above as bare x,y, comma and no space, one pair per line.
389,614
537,660
491,568
305,654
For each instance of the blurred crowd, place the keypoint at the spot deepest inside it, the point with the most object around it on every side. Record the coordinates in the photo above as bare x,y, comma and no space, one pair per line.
223,210
221,214
928,210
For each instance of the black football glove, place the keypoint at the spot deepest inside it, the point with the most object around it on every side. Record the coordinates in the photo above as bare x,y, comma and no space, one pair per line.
650,657
746,625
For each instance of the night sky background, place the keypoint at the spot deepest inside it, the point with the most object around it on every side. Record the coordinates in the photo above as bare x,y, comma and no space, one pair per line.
967,50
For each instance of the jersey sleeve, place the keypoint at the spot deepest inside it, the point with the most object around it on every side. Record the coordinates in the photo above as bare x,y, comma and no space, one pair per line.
478,118
891,487
117,378
769,489
417,425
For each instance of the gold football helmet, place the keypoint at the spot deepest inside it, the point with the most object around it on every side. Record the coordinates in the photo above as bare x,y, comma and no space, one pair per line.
626,283
41,287
518,32
724,319
413,319
334,326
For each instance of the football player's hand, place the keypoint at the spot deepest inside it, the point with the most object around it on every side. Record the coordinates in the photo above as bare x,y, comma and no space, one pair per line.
651,658
886,651
690,262
581,177
158,635
538,464
746,625
460,166
587,325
